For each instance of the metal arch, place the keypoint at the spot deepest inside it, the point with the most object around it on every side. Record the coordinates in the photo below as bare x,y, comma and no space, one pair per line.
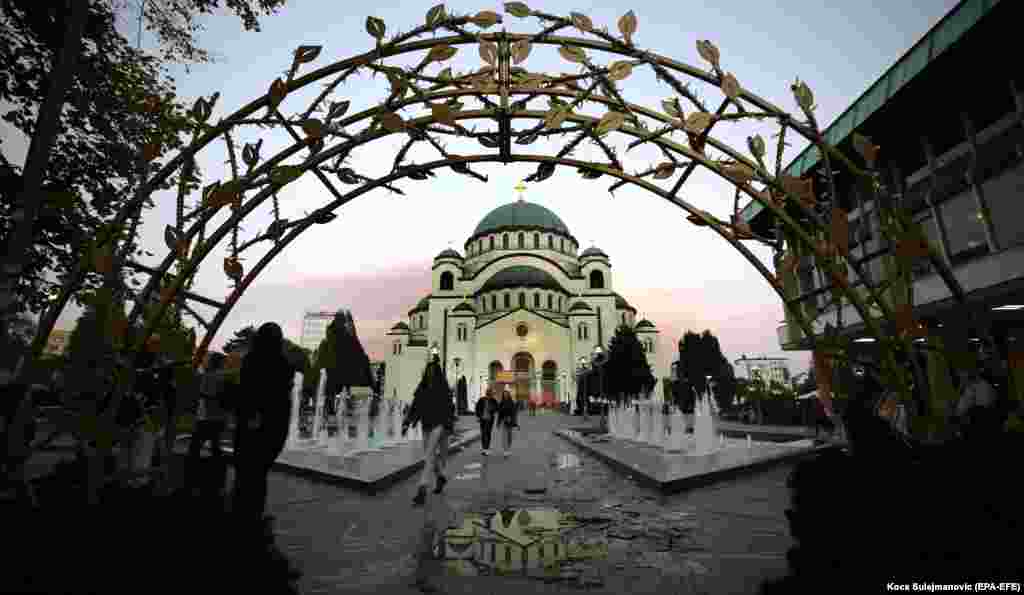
326,154
296,231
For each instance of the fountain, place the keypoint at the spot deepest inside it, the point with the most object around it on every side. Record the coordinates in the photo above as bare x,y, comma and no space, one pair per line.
677,438
319,436
704,426
293,425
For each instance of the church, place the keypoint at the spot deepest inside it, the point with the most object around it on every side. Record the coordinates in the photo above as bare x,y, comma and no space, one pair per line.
520,307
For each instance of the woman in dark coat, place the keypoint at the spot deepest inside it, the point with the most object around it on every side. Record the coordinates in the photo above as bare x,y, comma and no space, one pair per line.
263,413
433,407
486,411
508,409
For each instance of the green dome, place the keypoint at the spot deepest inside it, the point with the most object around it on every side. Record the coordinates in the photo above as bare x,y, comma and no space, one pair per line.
521,276
645,324
423,304
622,304
521,214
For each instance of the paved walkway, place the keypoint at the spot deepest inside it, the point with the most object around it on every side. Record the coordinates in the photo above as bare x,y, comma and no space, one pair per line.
728,538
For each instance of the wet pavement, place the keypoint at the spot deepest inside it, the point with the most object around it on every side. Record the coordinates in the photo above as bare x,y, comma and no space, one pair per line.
548,518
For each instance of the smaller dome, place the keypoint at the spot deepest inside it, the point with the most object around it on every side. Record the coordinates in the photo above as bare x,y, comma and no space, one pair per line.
521,276
401,326
622,304
593,251
580,306
464,307
645,324
448,253
423,304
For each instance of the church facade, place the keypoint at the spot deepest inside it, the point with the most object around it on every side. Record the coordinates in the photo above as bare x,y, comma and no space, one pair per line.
521,307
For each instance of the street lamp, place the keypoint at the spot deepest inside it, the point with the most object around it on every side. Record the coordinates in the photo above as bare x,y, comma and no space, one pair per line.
598,361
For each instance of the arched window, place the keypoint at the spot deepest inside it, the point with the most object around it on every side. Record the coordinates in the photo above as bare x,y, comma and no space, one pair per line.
492,242
650,345
536,240
522,240
596,280
561,243
536,300
551,243
522,300
493,370
461,332
582,333
559,303
447,281
549,301
508,301
493,306
421,322
623,319
504,241
480,246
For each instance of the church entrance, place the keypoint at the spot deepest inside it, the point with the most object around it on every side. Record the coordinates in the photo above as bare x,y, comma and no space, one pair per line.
522,364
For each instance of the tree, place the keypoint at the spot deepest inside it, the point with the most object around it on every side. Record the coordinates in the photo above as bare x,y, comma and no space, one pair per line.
626,372
701,356
242,341
343,356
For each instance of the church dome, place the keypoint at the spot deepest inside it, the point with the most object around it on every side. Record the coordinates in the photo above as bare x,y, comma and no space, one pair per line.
423,305
448,253
521,276
645,324
580,306
622,304
521,214
464,307
593,251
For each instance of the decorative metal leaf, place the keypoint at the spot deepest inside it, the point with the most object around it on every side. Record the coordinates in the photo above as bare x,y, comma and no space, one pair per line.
730,86
627,26
201,110
664,170
609,122
486,19
435,15
790,262
489,140
581,21
233,269
868,150
277,93
694,219
803,95
544,171
416,133
376,28
313,127
708,51
528,138
443,113
276,228
391,121
698,122
588,173
460,167
181,248
573,54
210,192
489,52
518,9
672,107
150,151
756,145
347,176
422,174
520,51
323,217
743,230
399,86
696,141
620,70
555,118
738,172
285,174
840,230
441,53
338,109
251,153
307,53
103,258
910,247
803,190
171,237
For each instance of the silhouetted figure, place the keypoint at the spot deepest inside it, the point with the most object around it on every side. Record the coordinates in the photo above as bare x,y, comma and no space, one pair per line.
486,412
210,423
508,411
263,412
432,406
976,410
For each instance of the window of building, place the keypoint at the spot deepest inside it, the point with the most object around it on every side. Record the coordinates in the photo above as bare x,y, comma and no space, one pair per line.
582,333
508,301
536,300
493,306
522,240
549,301
447,281
522,300
560,303
623,319
492,242
422,324
462,332
551,243
504,241
596,280
561,244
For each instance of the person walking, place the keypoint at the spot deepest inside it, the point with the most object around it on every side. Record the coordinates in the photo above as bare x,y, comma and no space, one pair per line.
264,410
507,414
486,410
976,410
211,420
432,406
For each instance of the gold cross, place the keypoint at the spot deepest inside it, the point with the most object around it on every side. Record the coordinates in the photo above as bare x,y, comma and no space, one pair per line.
520,187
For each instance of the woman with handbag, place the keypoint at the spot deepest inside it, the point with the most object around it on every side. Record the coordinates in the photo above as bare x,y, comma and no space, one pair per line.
507,412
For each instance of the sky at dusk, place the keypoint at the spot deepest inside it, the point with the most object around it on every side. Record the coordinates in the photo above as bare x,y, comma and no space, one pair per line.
375,257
